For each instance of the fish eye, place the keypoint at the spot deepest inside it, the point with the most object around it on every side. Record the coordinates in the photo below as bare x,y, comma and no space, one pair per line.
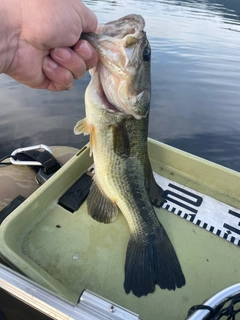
146,54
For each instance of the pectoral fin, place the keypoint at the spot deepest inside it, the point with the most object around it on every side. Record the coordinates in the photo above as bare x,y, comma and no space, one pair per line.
82,127
100,207
121,144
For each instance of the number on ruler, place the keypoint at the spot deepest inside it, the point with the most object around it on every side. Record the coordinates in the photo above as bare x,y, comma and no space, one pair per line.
233,231
188,197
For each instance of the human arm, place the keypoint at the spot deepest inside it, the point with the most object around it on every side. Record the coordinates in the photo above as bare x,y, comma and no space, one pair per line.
35,41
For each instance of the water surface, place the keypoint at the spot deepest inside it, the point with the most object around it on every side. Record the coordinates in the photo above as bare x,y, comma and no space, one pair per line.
195,83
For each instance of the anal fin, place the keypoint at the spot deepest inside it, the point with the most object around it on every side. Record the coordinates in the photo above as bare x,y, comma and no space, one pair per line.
155,192
100,207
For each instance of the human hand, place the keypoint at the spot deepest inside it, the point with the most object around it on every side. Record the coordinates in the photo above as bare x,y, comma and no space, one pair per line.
46,30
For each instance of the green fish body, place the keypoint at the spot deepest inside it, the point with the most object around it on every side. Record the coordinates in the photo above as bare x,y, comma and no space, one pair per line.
117,110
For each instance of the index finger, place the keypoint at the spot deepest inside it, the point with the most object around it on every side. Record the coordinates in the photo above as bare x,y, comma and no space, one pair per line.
89,19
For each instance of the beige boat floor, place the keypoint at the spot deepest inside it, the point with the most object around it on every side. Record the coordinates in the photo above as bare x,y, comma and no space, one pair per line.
81,253
71,252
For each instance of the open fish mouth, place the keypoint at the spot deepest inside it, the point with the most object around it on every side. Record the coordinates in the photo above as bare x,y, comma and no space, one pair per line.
124,65
123,26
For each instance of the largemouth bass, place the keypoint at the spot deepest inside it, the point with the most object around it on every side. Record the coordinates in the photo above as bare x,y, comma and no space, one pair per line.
117,103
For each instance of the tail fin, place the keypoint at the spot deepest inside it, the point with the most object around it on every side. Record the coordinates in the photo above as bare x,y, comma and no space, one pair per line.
152,261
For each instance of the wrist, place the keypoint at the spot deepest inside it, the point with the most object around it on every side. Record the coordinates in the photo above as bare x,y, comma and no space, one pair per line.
10,17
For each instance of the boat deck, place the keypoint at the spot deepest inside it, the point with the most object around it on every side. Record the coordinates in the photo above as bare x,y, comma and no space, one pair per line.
69,252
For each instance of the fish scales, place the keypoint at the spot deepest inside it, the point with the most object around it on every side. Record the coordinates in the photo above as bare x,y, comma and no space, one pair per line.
117,103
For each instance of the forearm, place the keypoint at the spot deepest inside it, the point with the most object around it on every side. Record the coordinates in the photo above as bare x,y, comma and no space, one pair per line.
10,18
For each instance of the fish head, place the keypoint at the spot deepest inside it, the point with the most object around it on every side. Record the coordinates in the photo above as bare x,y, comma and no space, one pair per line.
124,64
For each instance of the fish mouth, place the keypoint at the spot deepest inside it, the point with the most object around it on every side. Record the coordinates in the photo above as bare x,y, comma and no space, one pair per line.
119,45
122,27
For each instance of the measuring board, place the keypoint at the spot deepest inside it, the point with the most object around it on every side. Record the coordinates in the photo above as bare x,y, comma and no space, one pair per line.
206,212
200,209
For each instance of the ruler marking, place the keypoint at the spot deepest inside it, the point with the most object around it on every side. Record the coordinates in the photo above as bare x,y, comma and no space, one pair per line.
225,236
232,239
192,217
167,207
196,203
210,214
178,202
233,213
235,230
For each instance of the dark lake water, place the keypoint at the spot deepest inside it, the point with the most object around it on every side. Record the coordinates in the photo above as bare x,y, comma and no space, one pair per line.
195,83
